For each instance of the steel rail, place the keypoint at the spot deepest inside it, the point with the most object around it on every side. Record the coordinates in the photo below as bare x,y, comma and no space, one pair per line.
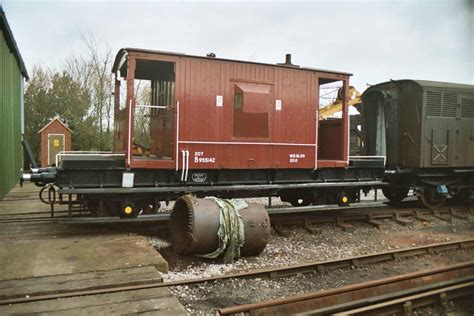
367,213
356,211
26,220
15,199
33,217
22,191
30,213
360,295
164,217
280,217
271,211
99,231
317,266
465,288
364,208
327,207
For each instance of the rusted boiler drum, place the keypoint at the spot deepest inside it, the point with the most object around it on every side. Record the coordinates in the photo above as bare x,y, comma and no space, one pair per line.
207,228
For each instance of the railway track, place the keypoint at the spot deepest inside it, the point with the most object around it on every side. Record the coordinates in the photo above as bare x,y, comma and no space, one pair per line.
402,293
84,219
281,216
283,220
262,273
369,215
442,293
29,218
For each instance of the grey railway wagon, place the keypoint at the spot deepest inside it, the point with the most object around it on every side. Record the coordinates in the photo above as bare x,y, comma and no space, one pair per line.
420,124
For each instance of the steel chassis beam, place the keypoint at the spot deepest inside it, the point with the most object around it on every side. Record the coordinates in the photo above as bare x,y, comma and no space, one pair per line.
242,187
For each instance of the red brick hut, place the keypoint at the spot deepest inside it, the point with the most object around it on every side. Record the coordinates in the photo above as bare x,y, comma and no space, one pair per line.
55,137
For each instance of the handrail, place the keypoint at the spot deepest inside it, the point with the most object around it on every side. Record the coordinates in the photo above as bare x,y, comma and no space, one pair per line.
86,153
369,157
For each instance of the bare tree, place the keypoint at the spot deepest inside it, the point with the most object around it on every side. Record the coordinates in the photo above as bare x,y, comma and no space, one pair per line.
142,114
93,71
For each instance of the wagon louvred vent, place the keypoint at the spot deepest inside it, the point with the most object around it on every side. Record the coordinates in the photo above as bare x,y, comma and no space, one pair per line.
450,101
467,108
433,103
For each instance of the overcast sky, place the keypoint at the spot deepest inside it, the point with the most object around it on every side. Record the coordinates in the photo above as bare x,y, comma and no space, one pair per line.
374,40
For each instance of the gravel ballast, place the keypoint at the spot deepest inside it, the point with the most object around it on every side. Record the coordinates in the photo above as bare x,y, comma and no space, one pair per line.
302,247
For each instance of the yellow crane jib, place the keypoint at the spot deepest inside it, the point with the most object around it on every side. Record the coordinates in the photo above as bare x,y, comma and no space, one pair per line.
336,106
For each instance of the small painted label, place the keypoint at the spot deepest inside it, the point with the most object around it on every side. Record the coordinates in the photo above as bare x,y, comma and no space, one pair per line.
127,179
199,177
295,158
199,157
56,142
219,100
278,105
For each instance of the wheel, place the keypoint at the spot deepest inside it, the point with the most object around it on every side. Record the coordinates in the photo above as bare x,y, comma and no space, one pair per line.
466,196
431,199
297,197
302,201
394,194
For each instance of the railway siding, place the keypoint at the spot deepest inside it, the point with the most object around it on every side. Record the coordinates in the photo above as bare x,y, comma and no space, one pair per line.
369,296
75,247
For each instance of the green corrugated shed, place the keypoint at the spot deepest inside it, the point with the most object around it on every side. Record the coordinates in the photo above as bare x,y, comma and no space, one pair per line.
12,75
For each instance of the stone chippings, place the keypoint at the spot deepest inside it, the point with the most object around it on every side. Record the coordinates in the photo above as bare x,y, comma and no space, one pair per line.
158,243
205,299
302,247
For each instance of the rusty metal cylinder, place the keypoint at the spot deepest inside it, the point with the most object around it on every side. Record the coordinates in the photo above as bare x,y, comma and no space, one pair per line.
195,223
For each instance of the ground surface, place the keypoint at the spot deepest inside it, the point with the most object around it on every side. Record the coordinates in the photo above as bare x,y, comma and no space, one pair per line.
34,249
204,299
33,258
39,256
301,247
31,249
332,243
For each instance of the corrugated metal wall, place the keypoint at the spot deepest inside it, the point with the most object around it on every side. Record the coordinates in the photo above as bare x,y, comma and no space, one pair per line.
11,155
